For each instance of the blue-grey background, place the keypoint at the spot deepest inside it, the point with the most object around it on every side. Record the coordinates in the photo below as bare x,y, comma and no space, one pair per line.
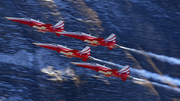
32,73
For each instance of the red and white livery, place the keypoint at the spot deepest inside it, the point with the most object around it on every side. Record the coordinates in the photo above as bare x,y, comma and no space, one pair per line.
110,42
84,54
42,27
124,73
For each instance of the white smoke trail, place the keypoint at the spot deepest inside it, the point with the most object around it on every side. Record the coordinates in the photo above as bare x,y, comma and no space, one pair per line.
157,84
156,77
150,75
171,60
165,86
107,62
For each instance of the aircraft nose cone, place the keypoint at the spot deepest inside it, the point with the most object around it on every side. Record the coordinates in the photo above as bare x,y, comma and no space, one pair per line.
75,63
60,32
36,43
8,18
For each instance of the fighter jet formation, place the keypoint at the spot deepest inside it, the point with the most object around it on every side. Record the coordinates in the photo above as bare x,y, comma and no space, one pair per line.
85,54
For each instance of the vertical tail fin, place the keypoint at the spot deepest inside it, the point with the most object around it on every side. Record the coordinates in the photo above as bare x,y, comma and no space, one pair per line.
125,70
86,50
59,25
112,38
126,73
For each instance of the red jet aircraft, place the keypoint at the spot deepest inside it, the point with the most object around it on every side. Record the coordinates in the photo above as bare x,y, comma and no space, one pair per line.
84,54
110,42
42,27
124,73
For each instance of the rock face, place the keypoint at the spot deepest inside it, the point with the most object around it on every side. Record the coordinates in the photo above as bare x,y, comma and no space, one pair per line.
31,73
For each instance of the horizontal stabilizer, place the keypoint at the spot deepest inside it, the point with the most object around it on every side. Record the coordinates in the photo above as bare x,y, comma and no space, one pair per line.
85,59
123,79
58,34
109,48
